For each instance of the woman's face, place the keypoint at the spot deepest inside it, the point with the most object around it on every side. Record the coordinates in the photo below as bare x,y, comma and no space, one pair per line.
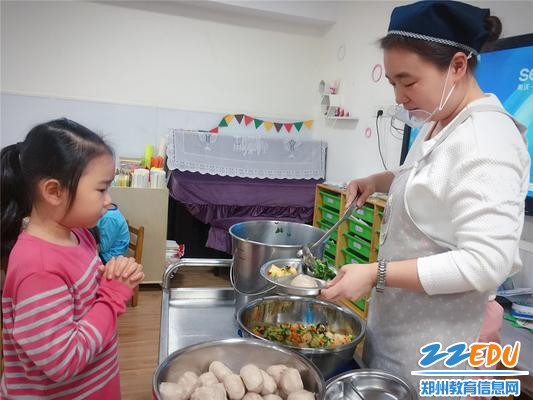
417,83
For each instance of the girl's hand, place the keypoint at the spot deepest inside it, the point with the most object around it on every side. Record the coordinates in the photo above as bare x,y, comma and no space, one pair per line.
359,190
352,282
123,269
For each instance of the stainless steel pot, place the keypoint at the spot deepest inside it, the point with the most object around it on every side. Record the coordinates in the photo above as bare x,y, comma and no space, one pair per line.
236,353
370,384
256,242
307,310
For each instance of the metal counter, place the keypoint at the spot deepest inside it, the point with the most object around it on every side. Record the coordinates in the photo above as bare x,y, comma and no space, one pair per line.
193,315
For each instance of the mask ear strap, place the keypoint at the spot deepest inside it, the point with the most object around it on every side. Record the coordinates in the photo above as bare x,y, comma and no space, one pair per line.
442,103
443,100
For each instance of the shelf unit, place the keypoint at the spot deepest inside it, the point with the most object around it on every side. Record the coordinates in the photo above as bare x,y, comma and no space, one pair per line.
330,103
332,111
356,240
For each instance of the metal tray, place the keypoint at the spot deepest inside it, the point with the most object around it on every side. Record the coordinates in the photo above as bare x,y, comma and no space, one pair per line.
283,283
193,315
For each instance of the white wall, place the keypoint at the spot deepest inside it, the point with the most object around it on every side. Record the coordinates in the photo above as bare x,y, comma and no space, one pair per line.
116,54
360,25
138,53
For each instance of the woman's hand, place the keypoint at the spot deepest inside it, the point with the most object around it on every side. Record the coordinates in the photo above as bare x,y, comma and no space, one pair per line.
352,282
359,190
123,269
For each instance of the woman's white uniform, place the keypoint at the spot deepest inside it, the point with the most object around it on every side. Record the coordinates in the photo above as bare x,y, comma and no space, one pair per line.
400,321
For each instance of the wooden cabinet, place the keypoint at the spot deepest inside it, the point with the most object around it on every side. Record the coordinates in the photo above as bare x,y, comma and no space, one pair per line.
356,240
148,208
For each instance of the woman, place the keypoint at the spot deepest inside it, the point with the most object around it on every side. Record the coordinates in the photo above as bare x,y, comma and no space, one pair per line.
455,210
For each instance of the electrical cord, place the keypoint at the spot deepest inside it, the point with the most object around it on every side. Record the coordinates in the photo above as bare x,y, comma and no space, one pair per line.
378,116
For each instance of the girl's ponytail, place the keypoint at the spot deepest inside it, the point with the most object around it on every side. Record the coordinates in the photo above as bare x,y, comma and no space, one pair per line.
15,202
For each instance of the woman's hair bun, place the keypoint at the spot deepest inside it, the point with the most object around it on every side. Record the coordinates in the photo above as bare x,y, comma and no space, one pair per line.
493,25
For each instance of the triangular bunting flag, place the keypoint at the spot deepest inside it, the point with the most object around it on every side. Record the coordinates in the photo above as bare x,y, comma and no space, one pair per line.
214,130
228,118
288,127
247,120
308,123
268,125
278,126
298,125
257,123
239,117
223,122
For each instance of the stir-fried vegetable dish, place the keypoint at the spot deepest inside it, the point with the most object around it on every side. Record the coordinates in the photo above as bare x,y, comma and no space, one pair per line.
322,271
303,335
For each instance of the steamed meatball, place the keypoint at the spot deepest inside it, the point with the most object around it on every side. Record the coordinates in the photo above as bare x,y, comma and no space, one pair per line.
189,381
301,395
213,392
234,386
272,397
269,384
172,391
252,396
290,381
252,378
208,379
304,281
275,371
219,370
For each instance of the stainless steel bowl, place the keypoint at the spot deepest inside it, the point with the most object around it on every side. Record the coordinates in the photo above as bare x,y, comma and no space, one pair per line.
283,283
307,310
371,384
236,353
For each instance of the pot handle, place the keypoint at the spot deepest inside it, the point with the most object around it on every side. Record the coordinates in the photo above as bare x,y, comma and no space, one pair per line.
232,280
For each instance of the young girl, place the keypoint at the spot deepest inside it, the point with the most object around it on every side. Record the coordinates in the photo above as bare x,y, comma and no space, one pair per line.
59,303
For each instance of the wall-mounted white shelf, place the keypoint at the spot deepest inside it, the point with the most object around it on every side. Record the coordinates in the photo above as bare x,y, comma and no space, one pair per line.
331,115
330,103
344,118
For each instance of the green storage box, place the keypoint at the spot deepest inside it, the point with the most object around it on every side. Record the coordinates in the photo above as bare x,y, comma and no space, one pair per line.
325,225
331,247
360,304
330,259
331,200
351,258
359,245
366,213
329,215
360,229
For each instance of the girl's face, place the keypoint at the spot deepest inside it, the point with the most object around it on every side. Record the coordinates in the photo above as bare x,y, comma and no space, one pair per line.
92,197
417,83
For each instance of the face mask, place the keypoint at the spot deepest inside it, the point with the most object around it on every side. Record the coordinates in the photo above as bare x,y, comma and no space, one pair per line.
418,117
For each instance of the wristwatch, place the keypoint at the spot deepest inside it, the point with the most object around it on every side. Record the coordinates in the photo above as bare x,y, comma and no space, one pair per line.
380,282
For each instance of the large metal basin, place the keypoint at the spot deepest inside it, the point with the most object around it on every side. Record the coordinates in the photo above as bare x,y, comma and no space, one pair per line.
371,384
307,310
256,242
236,353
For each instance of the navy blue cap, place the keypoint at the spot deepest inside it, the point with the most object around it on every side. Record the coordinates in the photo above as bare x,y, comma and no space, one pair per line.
447,22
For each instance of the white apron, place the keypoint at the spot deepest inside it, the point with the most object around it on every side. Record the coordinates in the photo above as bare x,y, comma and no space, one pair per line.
401,321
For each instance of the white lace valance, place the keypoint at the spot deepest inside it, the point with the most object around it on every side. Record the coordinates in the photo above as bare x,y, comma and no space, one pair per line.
246,157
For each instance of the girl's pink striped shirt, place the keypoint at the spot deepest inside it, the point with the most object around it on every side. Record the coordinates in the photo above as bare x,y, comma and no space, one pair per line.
59,322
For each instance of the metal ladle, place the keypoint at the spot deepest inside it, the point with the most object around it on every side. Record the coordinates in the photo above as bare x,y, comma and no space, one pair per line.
306,253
